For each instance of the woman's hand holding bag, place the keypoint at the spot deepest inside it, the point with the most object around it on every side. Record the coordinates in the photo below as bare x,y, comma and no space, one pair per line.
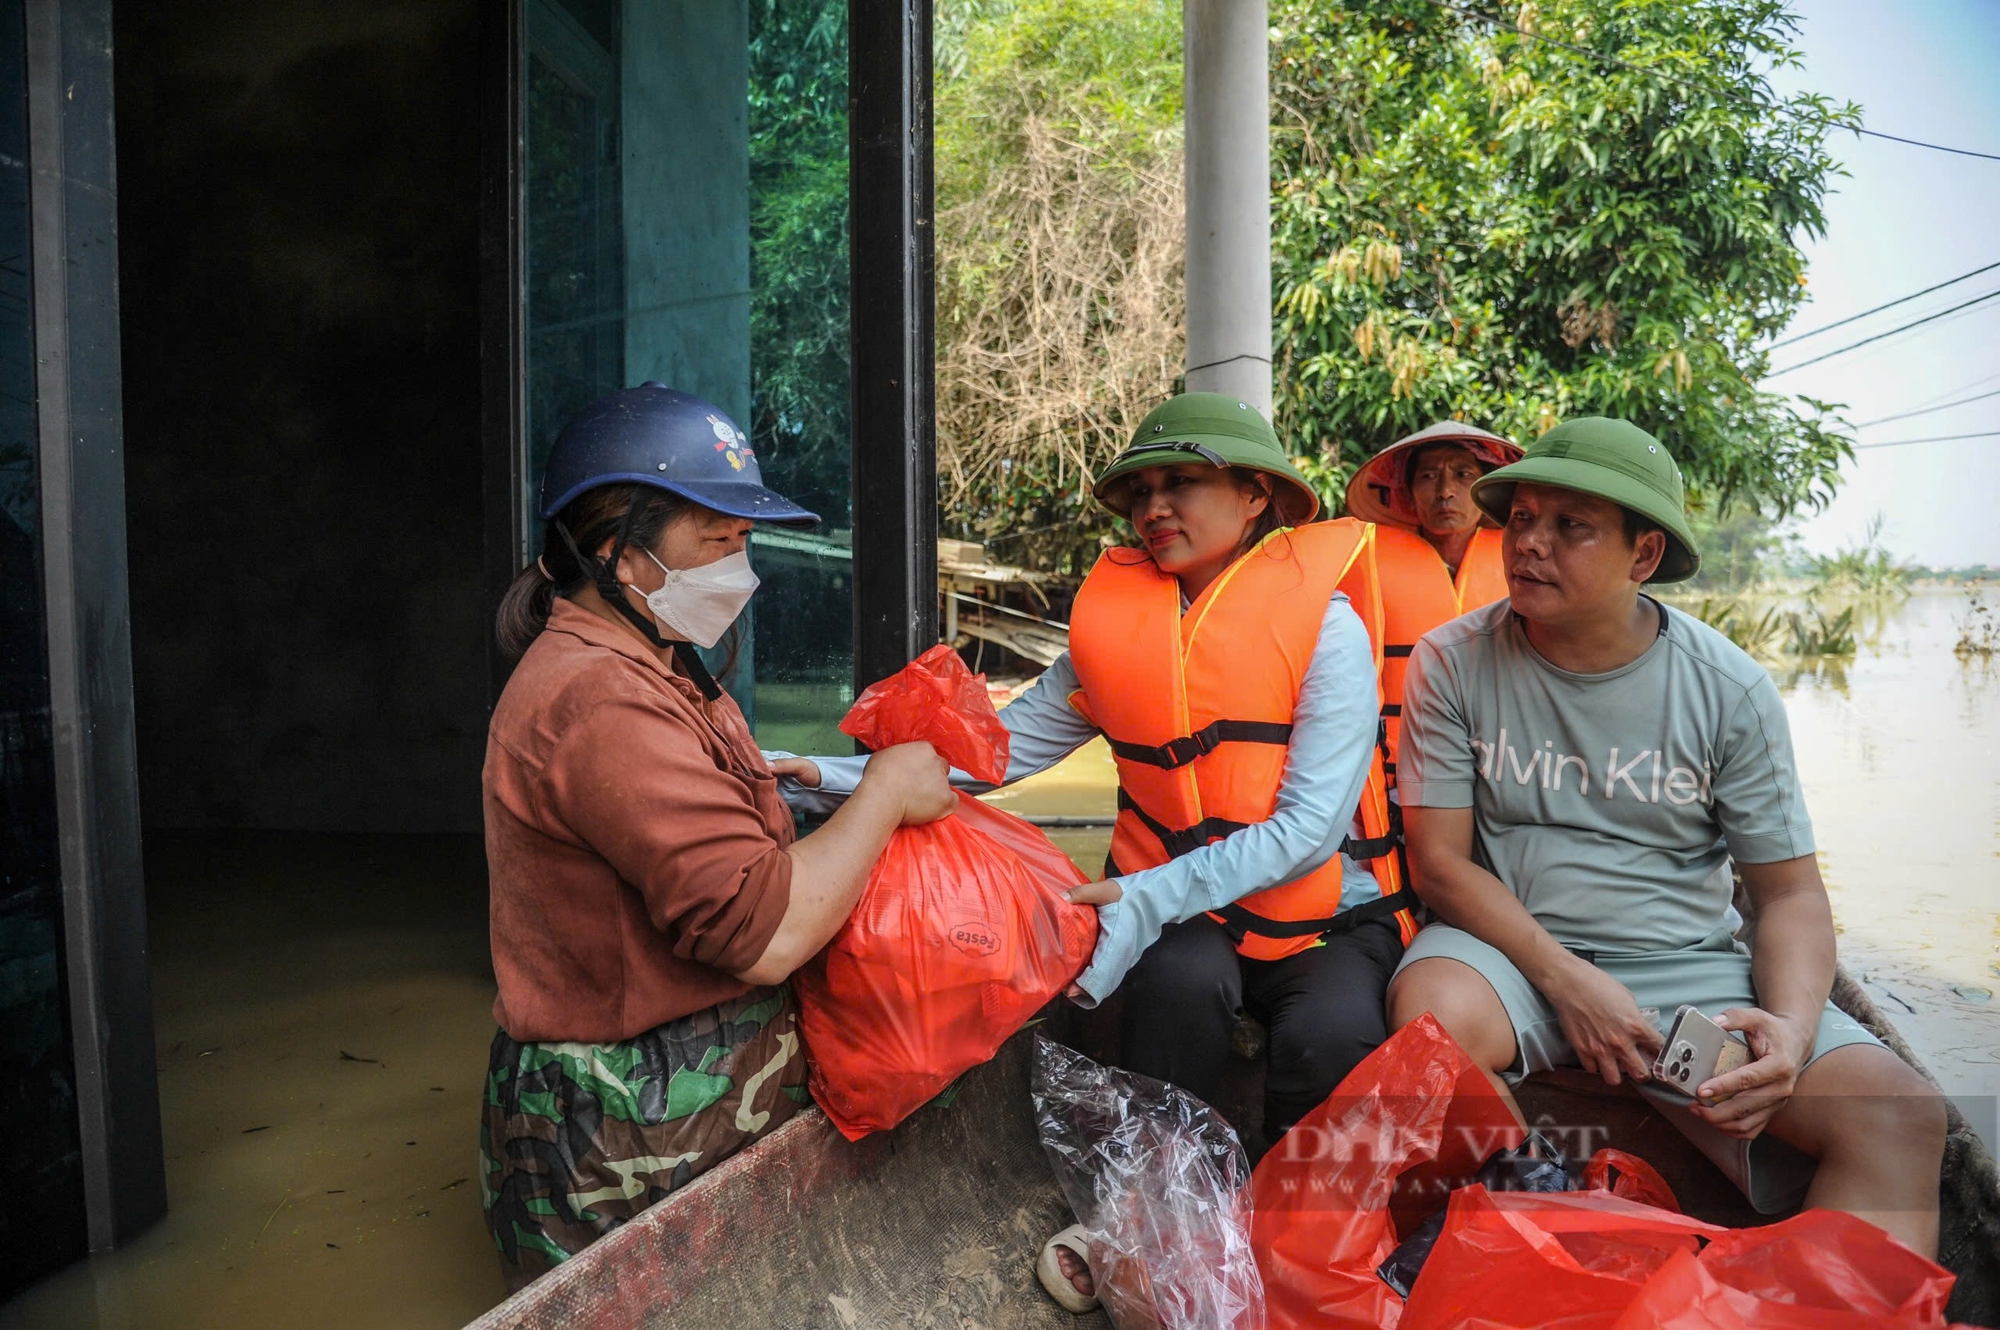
918,778
964,930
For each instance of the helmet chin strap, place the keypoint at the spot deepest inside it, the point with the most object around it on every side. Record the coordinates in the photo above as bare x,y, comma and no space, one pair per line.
612,590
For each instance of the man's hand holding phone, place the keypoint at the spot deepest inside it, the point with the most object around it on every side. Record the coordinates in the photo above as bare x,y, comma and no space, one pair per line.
1743,1102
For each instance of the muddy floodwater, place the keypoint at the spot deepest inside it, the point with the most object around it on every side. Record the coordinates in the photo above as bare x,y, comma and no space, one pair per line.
1899,753
324,1005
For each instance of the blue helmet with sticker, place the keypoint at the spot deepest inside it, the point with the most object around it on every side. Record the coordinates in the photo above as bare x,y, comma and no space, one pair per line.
656,435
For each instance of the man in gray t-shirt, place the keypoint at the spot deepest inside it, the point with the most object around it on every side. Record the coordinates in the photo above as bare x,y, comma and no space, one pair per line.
1579,767
1606,802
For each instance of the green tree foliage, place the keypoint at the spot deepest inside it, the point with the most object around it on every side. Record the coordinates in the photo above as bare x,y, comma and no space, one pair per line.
1473,223
798,249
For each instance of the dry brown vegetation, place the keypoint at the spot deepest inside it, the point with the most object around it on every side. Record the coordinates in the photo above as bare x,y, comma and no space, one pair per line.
1060,309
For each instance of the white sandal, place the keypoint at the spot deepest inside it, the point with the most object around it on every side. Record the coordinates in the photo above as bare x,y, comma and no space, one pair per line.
1049,1269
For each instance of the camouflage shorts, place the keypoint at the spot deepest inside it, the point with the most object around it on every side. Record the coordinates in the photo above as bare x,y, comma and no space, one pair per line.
579,1138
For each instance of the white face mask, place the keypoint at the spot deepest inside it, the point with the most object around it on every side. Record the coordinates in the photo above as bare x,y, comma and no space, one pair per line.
700,603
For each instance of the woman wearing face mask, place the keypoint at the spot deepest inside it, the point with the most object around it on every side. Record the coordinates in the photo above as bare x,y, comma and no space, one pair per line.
649,901
1226,662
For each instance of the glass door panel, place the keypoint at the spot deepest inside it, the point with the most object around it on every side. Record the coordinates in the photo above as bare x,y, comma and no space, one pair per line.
684,219
575,250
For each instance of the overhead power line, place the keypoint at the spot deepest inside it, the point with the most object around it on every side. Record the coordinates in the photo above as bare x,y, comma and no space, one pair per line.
1927,410
1903,300
1935,438
1498,22
1914,323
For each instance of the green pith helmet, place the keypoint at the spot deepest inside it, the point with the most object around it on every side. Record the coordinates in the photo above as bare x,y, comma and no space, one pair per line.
1612,459
1210,429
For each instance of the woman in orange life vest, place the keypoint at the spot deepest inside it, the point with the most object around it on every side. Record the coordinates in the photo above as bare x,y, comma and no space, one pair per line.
1227,659
1227,663
1437,556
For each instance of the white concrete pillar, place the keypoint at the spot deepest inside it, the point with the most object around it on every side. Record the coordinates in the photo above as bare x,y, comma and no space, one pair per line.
1228,73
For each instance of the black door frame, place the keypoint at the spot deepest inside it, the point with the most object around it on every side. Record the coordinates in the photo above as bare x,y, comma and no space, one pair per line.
895,416
889,240
79,423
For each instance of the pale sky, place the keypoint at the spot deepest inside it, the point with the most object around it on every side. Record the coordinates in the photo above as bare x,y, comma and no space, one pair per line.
1903,219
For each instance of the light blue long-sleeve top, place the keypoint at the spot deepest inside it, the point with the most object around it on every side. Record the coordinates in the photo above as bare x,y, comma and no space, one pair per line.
1326,766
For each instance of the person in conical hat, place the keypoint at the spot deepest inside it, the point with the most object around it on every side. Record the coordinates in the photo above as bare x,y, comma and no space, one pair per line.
1422,483
1437,555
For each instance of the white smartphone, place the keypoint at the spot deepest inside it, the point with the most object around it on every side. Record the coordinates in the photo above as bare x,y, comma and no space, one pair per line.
1696,1050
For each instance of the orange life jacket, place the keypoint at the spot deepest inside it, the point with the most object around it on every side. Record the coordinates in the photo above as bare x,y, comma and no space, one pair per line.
1418,594
1198,711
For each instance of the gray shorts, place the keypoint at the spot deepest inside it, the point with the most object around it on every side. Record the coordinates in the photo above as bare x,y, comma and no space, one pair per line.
1711,977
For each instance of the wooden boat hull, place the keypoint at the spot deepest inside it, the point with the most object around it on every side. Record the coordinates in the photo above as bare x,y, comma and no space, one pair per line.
934,1226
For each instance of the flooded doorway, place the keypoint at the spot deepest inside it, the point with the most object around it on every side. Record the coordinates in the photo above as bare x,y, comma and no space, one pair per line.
310,342
299,275
299,268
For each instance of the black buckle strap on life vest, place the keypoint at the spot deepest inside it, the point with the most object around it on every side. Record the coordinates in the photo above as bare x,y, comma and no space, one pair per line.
1374,847
1239,922
1361,851
1178,843
1392,708
1179,752
1398,650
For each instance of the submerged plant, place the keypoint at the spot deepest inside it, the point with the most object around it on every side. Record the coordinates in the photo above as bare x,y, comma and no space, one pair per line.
1759,636
1867,569
1822,636
1776,633
1979,630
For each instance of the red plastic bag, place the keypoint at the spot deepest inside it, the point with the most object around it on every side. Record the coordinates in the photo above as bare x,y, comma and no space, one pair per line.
1570,1259
937,699
1829,1262
1591,1261
962,933
1628,1176
1414,1120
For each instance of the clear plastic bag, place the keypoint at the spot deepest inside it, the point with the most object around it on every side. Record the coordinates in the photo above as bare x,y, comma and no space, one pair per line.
1162,1183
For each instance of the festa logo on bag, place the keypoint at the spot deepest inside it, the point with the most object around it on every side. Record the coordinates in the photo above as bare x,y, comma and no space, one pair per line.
975,938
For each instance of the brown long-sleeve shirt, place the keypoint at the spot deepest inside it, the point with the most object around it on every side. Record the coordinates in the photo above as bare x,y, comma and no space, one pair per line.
635,840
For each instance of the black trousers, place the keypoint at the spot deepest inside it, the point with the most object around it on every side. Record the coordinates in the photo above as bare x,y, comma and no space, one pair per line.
1323,1008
